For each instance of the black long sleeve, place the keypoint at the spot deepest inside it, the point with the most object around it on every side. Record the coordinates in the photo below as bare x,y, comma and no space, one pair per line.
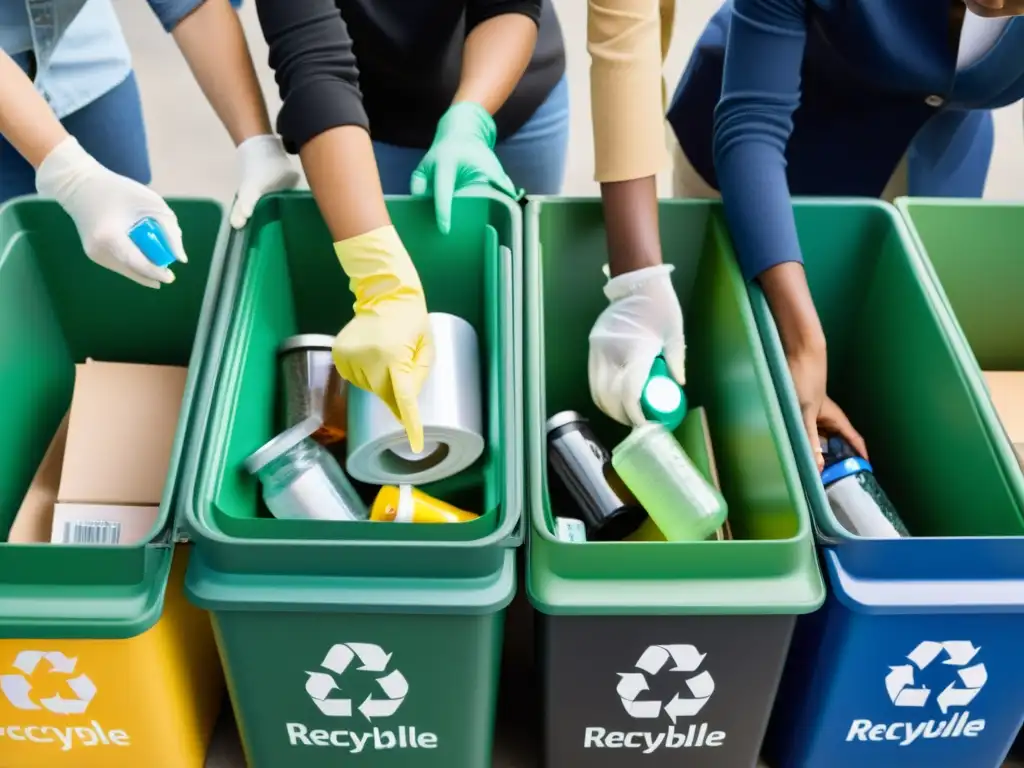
391,66
315,68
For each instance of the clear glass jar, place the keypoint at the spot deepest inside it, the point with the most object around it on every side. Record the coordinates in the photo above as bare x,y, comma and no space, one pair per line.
302,481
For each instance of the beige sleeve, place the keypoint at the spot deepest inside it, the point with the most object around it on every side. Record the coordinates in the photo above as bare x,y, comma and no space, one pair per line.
627,41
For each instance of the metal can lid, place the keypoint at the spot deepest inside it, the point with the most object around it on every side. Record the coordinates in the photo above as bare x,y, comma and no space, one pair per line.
281,444
562,418
306,341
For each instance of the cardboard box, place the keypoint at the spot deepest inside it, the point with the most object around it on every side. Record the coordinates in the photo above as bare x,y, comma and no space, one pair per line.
1007,391
121,430
121,433
33,522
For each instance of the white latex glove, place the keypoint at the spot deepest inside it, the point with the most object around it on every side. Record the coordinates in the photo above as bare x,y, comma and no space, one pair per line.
263,167
642,321
104,206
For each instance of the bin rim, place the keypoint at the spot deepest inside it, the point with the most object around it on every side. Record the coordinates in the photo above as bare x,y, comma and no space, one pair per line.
508,532
219,591
888,596
1009,465
155,553
800,587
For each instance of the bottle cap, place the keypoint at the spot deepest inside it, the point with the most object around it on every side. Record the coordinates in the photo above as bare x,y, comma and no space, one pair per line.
840,460
663,400
149,238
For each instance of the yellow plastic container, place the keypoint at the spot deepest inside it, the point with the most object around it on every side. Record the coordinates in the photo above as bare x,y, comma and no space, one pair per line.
149,701
405,504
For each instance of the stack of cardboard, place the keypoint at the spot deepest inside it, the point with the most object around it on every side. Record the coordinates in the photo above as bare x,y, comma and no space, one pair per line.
102,478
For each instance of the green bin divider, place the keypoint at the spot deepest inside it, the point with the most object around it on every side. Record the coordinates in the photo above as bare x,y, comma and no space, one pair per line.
274,288
980,295
56,309
771,568
881,309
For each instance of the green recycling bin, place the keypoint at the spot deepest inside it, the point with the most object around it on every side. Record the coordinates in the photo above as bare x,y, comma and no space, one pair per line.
973,252
661,653
361,641
103,663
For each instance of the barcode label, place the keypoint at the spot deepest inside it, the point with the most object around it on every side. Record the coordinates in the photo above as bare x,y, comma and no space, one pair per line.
92,532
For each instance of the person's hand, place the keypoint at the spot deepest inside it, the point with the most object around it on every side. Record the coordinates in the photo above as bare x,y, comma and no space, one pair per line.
263,167
462,155
386,348
642,321
104,207
820,413
832,421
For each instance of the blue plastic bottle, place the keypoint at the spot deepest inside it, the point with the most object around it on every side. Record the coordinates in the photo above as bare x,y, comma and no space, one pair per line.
149,238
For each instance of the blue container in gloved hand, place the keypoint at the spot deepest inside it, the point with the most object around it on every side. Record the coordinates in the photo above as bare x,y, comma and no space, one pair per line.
151,240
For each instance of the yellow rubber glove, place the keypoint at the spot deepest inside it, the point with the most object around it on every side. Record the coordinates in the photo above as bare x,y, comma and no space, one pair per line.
386,348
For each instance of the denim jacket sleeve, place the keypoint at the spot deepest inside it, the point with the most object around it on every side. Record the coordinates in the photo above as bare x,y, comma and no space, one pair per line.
171,12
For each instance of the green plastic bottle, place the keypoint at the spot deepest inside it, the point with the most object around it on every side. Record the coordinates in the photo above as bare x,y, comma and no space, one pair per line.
663,400
654,467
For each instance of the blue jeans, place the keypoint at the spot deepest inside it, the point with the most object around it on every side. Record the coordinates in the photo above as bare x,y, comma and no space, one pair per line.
110,129
534,156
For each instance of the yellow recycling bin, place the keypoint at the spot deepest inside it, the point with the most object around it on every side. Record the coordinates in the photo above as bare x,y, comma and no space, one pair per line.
103,663
149,701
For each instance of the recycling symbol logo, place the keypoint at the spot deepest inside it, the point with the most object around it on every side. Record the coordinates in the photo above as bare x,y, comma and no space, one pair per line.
970,678
322,685
17,688
686,660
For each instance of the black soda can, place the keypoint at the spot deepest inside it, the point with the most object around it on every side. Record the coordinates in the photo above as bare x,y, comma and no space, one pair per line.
584,467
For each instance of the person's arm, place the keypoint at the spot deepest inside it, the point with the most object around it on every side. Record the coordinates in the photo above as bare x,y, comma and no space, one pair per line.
627,41
210,37
322,116
500,38
753,122
102,204
213,43
386,348
26,120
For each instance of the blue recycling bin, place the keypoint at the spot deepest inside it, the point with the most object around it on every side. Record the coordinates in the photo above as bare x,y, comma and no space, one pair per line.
910,663
915,659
